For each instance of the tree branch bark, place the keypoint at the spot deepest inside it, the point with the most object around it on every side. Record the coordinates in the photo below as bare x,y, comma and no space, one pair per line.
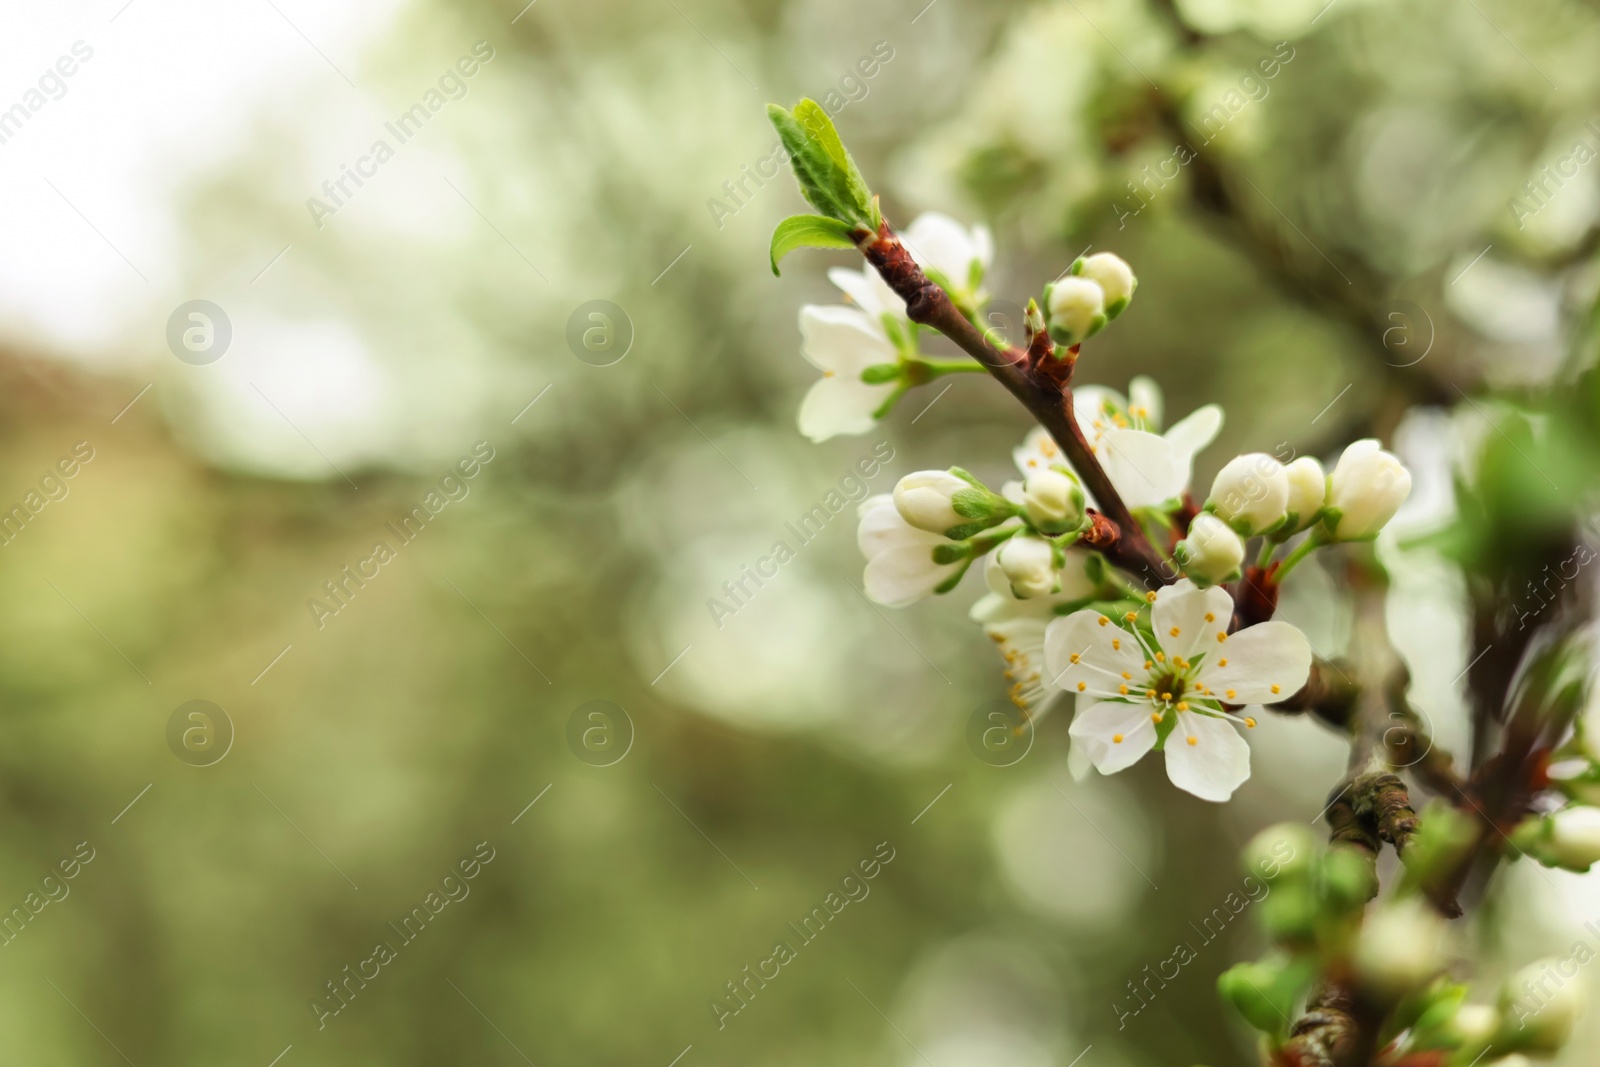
1047,396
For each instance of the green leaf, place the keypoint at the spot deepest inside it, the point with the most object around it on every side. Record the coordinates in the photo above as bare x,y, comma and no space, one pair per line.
808,231
827,175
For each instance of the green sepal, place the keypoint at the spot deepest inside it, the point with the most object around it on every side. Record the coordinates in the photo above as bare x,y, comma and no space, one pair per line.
954,553
809,231
954,580
879,373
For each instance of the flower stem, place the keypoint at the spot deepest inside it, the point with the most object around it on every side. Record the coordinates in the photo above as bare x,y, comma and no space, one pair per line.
1316,540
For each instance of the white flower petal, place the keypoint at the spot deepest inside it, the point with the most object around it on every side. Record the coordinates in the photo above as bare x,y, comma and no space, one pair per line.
1113,734
840,405
1037,452
883,528
983,245
1145,395
1259,658
870,292
842,339
1187,619
1141,466
1206,756
1087,647
901,576
1078,762
1191,434
940,243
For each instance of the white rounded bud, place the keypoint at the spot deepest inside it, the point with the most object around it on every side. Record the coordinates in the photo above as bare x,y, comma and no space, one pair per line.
1077,308
1367,487
1251,493
1029,564
1541,1004
1053,501
1114,277
1211,553
1308,489
1401,947
1573,838
923,499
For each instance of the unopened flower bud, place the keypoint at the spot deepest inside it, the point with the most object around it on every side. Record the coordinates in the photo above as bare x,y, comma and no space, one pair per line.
1400,947
1212,553
1029,564
1284,849
1251,493
1114,277
1475,1025
1569,838
1308,490
1077,308
1541,1004
925,500
1053,501
1367,487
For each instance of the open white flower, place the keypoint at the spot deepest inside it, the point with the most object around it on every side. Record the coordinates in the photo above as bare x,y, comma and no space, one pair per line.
938,243
842,342
900,567
1017,627
1167,690
1147,467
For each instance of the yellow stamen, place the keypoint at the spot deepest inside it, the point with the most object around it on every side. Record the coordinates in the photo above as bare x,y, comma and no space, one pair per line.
1183,705
1104,620
1150,598
1274,690
1161,656
1116,739
1082,686
1116,643
1122,689
1210,617
1222,663
1250,723
1131,616
1127,675
1232,693
1221,637
1074,657
1193,740
1173,631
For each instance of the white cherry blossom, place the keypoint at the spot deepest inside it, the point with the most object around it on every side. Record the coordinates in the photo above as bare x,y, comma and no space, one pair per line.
1147,467
1166,689
900,567
842,342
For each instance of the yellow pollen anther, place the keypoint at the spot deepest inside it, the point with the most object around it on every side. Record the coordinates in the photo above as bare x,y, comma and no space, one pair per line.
827,374
1150,598
1183,705
1222,663
1250,723
1274,690
1122,689
1148,664
1127,675
1221,637
1173,631
1131,616
1104,620
1116,738
1193,740
1232,693
1210,617
1166,696
1082,686
1161,656
1074,657
1155,717
1116,643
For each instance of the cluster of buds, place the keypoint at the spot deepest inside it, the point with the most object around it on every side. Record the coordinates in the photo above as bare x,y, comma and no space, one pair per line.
1395,955
1095,290
1255,495
948,519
